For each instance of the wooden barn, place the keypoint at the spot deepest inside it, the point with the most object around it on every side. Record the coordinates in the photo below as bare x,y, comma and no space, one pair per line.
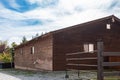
47,52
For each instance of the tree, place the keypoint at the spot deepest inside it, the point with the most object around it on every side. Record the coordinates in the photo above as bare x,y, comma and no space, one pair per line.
13,45
5,56
37,35
42,33
24,40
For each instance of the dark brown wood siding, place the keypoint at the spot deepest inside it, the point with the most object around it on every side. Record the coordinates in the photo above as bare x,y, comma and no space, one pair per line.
72,39
40,60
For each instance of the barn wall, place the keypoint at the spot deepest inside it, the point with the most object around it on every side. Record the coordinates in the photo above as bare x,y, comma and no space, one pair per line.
40,60
72,39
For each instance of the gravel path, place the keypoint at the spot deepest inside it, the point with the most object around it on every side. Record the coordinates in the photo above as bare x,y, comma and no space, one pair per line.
28,75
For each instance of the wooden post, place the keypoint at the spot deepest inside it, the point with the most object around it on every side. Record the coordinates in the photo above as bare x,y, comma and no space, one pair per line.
99,61
78,73
12,56
66,75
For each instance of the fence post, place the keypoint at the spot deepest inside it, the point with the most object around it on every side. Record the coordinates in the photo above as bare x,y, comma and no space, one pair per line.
99,61
66,75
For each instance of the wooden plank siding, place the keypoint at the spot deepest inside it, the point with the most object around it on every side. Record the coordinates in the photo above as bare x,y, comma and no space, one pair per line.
40,60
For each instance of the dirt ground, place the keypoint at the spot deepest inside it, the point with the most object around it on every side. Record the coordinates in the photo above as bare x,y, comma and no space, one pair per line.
12,74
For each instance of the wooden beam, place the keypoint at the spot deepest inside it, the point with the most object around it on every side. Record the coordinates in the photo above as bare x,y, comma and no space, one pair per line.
72,69
68,59
76,53
111,54
81,52
81,65
111,63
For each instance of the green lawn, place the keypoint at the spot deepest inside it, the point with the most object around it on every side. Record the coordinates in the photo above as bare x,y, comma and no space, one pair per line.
110,78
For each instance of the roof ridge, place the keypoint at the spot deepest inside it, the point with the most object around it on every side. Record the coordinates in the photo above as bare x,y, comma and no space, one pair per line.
88,22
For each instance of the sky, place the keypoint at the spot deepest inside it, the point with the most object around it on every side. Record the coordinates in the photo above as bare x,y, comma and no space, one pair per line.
20,18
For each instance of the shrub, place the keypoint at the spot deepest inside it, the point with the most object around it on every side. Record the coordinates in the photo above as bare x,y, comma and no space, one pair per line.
5,57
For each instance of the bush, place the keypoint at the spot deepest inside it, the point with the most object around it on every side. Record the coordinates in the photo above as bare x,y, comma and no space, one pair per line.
5,57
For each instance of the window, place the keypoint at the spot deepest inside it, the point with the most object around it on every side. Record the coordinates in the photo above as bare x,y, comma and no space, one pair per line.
32,50
88,47
108,26
113,20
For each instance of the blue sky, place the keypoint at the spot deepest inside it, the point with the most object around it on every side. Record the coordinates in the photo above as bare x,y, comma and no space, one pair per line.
20,18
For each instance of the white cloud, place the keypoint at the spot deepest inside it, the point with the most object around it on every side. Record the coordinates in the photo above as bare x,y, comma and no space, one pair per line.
66,7
35,1
13,4
40,13
0,38
65,13
84,4
14,39
6,13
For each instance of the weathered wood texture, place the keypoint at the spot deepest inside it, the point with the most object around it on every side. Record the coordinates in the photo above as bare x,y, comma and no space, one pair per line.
101,63
100,75
71,40
84,60
40,60
81,61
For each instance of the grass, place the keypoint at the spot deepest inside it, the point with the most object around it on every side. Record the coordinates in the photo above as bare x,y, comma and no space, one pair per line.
18,72
91,75
110,78
25,73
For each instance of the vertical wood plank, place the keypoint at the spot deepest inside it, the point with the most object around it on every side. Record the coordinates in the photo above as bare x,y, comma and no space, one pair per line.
100,60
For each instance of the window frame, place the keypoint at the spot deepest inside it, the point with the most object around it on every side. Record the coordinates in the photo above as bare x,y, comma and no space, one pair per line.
32,50
88,47
108,26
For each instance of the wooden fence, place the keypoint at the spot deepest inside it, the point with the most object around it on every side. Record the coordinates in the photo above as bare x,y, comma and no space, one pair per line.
101,54
83,60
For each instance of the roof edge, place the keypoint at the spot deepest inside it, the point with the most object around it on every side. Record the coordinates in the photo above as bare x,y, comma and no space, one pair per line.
88,22
42,36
